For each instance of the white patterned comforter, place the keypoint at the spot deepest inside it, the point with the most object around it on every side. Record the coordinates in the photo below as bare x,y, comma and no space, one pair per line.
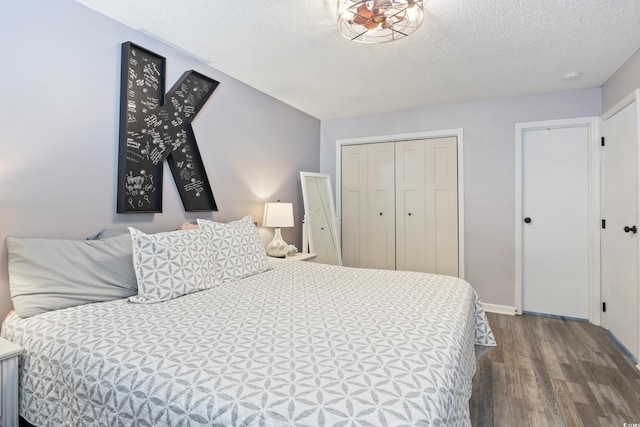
304,344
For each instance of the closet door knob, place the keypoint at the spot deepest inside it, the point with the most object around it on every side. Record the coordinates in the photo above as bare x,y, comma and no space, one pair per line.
380,213
409,213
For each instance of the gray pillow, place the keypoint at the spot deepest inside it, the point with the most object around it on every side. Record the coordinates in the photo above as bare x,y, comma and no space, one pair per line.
108,232
50,274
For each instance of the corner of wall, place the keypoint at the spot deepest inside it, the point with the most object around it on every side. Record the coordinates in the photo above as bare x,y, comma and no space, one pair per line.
625,80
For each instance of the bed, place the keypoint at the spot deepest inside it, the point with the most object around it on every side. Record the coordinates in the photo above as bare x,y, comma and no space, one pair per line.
300,344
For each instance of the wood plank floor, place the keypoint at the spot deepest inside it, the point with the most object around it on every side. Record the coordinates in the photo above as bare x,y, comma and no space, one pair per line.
553,372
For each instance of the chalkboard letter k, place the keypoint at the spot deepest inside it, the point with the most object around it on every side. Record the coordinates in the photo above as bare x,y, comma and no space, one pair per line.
155,127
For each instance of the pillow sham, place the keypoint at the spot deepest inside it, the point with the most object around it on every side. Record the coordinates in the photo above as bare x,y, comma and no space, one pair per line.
171,264
51,274
238,250
107,233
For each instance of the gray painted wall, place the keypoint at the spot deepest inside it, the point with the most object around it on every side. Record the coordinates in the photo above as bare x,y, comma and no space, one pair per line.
622,83
489,169
59,86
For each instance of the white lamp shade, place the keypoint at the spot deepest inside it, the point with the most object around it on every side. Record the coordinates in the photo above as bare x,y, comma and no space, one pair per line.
278,215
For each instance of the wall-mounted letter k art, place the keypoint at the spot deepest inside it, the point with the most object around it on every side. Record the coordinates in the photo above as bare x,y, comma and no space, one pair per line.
155,127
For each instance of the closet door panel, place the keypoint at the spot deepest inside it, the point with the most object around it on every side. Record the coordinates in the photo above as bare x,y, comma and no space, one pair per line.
441,198
381,210
354,205
411,245
352,235
368,205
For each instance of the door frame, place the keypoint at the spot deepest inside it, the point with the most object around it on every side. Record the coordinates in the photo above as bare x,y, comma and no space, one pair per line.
408,137
593,267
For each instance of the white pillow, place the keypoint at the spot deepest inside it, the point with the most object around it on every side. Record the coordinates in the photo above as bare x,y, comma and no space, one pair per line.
238,250
172,264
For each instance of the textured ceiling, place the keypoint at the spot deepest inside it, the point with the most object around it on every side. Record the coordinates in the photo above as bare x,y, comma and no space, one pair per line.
466,50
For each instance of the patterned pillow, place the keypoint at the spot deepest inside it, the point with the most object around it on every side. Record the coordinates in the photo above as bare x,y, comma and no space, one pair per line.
238,250
172,264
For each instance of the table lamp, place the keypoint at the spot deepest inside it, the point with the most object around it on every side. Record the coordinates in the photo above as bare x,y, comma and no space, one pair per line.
277,215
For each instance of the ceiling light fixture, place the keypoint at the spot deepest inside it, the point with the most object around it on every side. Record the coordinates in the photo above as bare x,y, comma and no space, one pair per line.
378,21
573,75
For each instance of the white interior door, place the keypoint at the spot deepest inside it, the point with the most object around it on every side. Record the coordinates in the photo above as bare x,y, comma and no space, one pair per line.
555,227
620,210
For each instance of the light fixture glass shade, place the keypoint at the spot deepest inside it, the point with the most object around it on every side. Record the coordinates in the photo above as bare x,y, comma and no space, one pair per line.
378,21
277,215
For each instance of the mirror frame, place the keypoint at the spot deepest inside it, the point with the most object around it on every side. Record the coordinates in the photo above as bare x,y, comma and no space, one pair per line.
307,237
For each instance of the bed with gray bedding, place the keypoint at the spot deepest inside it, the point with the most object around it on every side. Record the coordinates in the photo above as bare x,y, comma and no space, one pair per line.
197,327
301,344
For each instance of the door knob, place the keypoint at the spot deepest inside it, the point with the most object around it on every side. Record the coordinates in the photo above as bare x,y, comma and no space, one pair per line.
632,229
527,220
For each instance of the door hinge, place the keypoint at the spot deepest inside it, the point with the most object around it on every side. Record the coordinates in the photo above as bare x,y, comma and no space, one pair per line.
604,224
602,141
604,306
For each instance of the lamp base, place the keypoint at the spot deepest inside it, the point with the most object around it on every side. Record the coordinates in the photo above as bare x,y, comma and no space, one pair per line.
277,247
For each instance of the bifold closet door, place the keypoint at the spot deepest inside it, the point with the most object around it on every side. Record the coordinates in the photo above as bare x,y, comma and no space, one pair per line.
427,205
368,206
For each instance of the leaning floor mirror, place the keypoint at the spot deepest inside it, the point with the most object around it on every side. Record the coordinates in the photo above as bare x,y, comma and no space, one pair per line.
320,229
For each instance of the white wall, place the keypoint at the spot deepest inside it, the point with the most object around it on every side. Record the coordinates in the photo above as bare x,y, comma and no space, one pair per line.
622,82
59,108
489,169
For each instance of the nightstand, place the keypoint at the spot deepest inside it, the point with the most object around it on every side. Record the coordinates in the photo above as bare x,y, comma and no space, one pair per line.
9,353
300,257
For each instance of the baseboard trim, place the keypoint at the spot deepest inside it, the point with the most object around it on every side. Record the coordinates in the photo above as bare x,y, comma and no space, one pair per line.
624,349
500,309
